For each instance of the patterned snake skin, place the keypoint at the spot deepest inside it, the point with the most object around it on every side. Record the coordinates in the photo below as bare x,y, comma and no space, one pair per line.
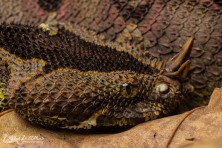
150,32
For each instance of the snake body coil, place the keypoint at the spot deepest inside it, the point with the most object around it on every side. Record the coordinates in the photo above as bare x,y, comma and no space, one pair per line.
55,78
64,81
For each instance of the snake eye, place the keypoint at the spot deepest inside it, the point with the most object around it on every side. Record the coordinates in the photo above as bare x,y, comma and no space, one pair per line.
163,88
128,90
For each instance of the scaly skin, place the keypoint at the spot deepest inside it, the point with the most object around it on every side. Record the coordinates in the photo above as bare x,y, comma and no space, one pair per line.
161,27
74,99
52,80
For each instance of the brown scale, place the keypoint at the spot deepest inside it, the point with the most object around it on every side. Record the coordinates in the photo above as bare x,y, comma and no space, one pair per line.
50,5
32,12
163,30
115,89
68,98
65,50
22,11
73,106
4,77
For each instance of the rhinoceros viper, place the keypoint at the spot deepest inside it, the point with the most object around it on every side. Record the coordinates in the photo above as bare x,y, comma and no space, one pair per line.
60,79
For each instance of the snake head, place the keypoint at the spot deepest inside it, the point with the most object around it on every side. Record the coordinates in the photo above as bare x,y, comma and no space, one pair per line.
146,97
169,87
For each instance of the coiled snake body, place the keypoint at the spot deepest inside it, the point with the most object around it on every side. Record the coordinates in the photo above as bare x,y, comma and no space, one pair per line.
56,78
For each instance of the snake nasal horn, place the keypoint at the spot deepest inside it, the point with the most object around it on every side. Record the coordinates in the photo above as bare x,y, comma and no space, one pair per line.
179,65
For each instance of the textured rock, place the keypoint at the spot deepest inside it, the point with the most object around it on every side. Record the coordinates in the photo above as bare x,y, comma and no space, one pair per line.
196,128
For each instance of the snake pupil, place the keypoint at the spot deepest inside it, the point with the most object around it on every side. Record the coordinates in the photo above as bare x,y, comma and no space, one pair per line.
127,88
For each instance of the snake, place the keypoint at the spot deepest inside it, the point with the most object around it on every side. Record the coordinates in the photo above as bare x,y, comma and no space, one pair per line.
129,62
